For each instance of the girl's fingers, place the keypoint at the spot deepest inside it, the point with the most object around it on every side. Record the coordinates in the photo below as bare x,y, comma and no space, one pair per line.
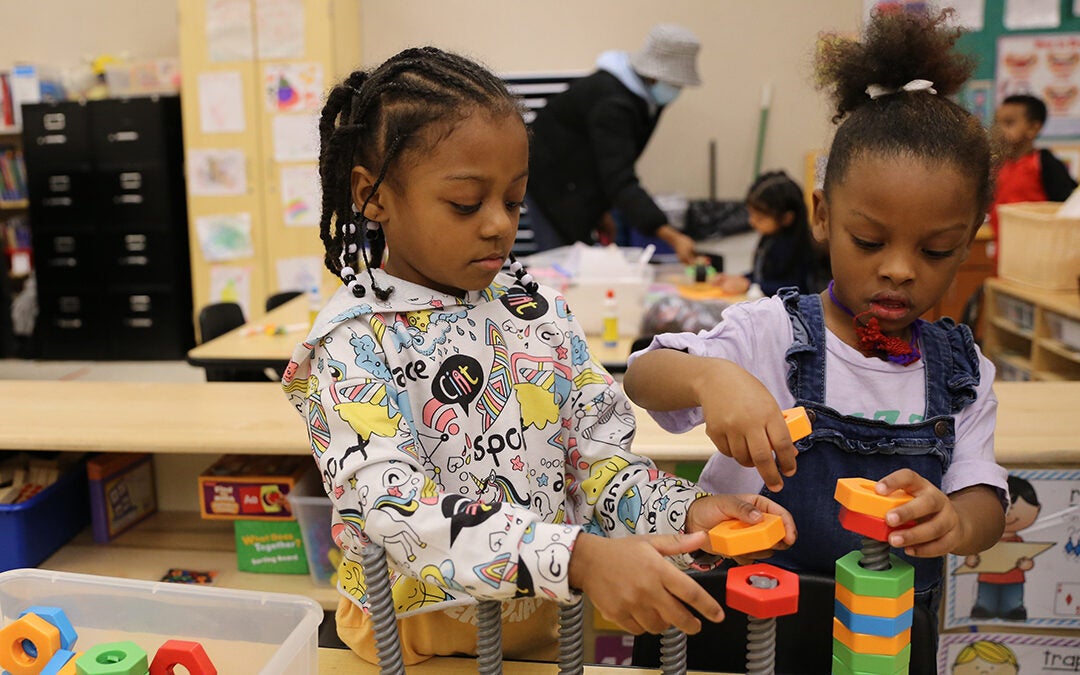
761,452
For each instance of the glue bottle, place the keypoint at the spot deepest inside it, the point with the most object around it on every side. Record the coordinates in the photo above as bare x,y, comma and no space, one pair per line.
611,320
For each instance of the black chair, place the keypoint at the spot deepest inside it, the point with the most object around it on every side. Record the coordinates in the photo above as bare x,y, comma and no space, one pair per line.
804,640
278,299
214,321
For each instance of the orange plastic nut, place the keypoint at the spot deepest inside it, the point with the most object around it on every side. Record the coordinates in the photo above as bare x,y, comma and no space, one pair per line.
762,590
15,658
798,423
873,605
858,495
862,643
190,655
734,537
869,526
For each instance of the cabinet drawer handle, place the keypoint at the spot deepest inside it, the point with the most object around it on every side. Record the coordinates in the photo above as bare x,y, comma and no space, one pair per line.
56,201
63,262
69,323
52,139
134,260
139,323
123,137
128,199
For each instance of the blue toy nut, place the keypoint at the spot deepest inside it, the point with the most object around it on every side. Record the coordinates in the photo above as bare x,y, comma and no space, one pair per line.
113,658
56,664
58,618
867,624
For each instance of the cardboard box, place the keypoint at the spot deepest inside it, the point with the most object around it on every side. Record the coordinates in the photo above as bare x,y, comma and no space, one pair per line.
275,547
122,492
250,486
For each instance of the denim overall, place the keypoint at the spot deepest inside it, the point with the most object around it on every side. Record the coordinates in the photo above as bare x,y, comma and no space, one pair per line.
843,446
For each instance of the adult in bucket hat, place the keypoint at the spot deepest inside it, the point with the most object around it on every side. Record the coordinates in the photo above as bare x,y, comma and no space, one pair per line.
586,141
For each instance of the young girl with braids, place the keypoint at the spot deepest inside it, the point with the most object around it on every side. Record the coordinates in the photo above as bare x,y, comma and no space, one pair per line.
892,398
454,411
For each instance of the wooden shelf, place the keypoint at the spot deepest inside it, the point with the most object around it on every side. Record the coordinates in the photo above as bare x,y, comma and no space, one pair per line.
1044,357
1011,327
183,540
1060,349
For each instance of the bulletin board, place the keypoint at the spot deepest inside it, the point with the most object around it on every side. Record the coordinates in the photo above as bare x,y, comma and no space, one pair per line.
983,45
1049,590
997,652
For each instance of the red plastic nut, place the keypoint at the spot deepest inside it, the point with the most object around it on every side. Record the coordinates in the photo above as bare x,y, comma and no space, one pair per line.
190,655
869,526
762,590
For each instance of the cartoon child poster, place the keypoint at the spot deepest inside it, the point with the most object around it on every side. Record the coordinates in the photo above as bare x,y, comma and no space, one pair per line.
1006,654
1030,576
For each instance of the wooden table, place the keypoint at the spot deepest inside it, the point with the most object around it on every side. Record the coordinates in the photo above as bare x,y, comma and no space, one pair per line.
252,345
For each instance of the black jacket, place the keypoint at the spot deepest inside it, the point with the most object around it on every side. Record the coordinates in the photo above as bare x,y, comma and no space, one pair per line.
585,143
1056,180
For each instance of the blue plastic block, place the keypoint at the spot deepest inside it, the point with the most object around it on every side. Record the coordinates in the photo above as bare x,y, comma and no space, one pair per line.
58,661
872,625
58,618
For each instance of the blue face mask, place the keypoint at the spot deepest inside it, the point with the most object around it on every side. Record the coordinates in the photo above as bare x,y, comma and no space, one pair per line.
663,93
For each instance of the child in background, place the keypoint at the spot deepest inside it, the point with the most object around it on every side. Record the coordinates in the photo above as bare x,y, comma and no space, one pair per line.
892,398
454,411
1027,174
785,254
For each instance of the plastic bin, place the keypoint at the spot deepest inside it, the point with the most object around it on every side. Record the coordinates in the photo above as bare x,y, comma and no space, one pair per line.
314,514
1064,330
1038,248
1017,311
242,631
32,530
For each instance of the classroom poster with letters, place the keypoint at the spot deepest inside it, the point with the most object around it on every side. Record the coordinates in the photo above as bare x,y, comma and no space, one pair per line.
1031,577
1046,65
1007,653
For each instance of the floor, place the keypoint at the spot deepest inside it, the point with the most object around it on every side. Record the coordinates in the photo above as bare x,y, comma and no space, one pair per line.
101,371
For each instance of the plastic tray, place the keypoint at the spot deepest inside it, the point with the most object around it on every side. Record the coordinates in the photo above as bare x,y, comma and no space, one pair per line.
32,530
242,631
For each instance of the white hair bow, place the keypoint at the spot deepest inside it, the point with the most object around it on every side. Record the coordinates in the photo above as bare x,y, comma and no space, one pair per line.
876,91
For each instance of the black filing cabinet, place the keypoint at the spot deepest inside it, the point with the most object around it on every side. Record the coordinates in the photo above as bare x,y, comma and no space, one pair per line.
109,220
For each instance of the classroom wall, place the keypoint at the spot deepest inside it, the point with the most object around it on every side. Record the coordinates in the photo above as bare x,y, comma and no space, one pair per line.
745,44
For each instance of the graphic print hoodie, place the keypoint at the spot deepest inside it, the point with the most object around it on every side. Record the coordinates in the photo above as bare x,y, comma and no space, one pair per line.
473,438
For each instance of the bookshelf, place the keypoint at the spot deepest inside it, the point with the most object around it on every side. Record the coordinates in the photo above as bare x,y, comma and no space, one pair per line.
15,263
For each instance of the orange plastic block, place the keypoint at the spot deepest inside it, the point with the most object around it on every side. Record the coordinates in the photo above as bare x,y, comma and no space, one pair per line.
858,495
734,537
869,526
32,629
187,654
861,643
762,590
798,424
874,605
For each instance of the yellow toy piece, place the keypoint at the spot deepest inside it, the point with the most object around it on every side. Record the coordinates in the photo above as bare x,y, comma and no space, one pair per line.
798,423
873,605
734,537
858,495
861,643
32,630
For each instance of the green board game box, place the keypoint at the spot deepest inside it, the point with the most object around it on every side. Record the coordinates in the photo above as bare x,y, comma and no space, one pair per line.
275,547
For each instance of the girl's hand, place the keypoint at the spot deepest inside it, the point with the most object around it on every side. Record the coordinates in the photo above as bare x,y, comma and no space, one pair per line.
631,583
744,422
938,527
707,512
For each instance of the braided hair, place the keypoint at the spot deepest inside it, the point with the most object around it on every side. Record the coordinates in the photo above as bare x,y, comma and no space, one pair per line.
375,119
898,48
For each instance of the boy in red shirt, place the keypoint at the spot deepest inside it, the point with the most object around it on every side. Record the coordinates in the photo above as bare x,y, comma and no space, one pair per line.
1027,174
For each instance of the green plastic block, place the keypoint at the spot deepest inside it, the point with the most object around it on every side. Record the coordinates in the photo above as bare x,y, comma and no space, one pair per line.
890,583
113,658
841,668
870,663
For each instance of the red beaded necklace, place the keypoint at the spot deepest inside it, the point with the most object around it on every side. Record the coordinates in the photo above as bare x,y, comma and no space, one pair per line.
873,342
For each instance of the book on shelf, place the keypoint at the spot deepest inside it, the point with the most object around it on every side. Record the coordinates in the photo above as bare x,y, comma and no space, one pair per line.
12,175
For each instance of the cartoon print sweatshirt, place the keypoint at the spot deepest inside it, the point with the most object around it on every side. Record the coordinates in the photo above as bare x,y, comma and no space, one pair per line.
473,438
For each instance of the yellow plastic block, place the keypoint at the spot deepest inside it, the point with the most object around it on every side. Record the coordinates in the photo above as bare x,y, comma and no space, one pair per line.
798,424
872,605
861,643
31,628
857,494
734,537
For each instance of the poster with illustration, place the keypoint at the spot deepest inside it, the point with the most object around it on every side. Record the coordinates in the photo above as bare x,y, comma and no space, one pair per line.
231,283
1031,577
1007,654
301,273
225,236
1046,65
300,195
293,87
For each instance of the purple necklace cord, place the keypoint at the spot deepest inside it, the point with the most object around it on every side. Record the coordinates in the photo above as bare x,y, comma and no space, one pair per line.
916,332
